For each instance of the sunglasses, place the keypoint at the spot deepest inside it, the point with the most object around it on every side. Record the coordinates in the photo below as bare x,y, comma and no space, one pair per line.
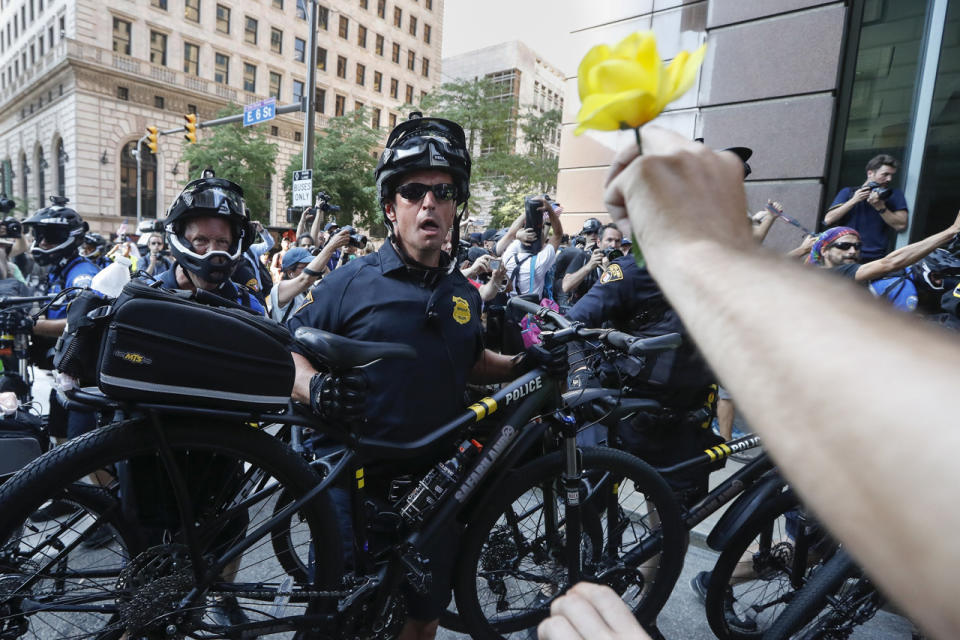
844,246
415,191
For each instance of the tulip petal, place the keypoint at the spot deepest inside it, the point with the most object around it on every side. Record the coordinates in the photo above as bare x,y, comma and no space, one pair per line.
681,72
614,76
595,56
608,112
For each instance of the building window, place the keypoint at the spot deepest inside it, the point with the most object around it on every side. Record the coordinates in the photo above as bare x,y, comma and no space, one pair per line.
357,106
375,119
121,37
301,9
378,45
425,67
41,176
321,58
158,102
377,81
221,68
394,87
362,36
192,108
275,131
297,136
191,10
393,120
299,50
276,40
397,17
340,106
341,67
409,96
413,25
344,29
428,4
395,55
61,169
278,4
250,30
361,74
123,93
323,17
158,48
411,60
320,100
159,4
191,59
249,77
382,8
275,79
223,19
128,182
363,4
426,33
297,91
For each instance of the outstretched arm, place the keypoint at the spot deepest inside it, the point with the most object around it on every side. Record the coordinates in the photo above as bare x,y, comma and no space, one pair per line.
756,317
905,256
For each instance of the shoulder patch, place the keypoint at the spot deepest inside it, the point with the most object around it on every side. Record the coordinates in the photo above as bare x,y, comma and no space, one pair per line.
956,291
252,284
83,280
308,300
461,310
612,274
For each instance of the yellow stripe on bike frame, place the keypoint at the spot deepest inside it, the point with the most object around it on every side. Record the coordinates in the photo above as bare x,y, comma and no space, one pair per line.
727,450
360,481
616,488
710,453
479,409
490,403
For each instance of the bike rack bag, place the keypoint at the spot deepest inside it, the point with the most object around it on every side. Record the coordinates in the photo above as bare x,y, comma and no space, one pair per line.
160,346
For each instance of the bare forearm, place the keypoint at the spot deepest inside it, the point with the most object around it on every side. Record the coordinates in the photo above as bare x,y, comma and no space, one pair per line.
834,215
508,237
492,367
572,280
897,220
736,308
301,382
50,328
556,229
904,256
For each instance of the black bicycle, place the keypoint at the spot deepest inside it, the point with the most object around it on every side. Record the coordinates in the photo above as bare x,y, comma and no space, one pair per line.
218,528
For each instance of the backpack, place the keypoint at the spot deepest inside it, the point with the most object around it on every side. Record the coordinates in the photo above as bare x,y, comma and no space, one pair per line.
898,288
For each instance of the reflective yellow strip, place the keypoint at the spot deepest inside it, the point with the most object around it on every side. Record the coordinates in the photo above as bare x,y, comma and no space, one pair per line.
491,404
479,409
360,473
616,488
727,450
710,453
360,483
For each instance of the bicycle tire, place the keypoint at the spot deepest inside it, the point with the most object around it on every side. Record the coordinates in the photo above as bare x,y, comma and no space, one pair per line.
505,563
757,598
133,599
813,598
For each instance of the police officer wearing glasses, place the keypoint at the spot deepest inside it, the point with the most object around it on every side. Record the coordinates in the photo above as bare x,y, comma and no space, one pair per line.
207,231
410,291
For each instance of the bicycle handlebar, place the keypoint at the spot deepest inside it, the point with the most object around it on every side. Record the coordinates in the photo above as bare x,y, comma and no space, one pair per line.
12,301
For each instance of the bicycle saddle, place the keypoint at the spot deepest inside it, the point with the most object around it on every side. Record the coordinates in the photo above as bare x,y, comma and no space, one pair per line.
338,352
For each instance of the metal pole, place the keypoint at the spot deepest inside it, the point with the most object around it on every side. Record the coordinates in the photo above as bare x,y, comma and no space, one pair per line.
139,150
308,118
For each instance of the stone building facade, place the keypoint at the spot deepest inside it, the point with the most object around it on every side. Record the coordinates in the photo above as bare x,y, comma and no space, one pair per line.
814,87
80,80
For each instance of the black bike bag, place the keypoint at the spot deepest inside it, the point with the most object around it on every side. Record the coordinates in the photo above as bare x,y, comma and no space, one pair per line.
162,347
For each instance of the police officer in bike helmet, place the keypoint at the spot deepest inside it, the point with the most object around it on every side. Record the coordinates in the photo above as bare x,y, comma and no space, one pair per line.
207,231
409,291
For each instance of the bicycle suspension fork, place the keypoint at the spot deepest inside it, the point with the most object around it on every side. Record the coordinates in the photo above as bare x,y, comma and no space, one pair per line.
572,480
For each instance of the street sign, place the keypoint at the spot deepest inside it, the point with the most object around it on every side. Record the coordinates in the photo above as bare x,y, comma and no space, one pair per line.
302,188
259,111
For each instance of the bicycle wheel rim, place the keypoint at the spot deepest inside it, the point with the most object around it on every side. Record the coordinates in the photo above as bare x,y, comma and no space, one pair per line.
148,589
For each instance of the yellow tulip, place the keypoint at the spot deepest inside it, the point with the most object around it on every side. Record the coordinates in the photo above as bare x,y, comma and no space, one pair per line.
628,85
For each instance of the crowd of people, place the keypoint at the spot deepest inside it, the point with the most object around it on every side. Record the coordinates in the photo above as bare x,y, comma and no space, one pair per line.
444,291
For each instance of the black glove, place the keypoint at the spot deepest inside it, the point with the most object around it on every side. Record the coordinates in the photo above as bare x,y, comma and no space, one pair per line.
339,397
553,359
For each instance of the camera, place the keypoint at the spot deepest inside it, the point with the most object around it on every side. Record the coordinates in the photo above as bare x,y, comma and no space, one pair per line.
10,228
292,213
612,253
534,220
882,192
356,239
323,203
6,204
59,201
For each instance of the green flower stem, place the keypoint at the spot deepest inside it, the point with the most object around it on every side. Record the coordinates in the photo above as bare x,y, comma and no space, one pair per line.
636,134
637,251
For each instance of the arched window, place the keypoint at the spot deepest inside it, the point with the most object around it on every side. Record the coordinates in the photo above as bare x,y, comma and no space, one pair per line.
128,183
41,178
61,169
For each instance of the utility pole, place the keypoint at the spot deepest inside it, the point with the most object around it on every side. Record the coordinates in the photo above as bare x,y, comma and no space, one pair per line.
308,118
139,205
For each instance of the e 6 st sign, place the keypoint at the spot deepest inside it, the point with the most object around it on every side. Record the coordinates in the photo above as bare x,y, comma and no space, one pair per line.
259,111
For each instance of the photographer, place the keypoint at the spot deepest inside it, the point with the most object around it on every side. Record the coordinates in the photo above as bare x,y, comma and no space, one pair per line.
157,260
528,258
873,209
301,270
587,267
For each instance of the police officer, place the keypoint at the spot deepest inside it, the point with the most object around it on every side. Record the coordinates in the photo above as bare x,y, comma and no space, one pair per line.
587,267
93,249
207,231
629,299
410,291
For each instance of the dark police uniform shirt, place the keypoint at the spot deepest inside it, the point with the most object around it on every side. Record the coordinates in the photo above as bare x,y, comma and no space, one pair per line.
228,290
627,297
76,272
378,298
874,232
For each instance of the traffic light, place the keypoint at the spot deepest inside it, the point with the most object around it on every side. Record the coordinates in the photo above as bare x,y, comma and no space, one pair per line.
191,126
153,138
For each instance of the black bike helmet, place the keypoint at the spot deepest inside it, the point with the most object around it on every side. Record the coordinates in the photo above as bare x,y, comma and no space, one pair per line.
95,240
930,272
59,227
212,198
591,225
